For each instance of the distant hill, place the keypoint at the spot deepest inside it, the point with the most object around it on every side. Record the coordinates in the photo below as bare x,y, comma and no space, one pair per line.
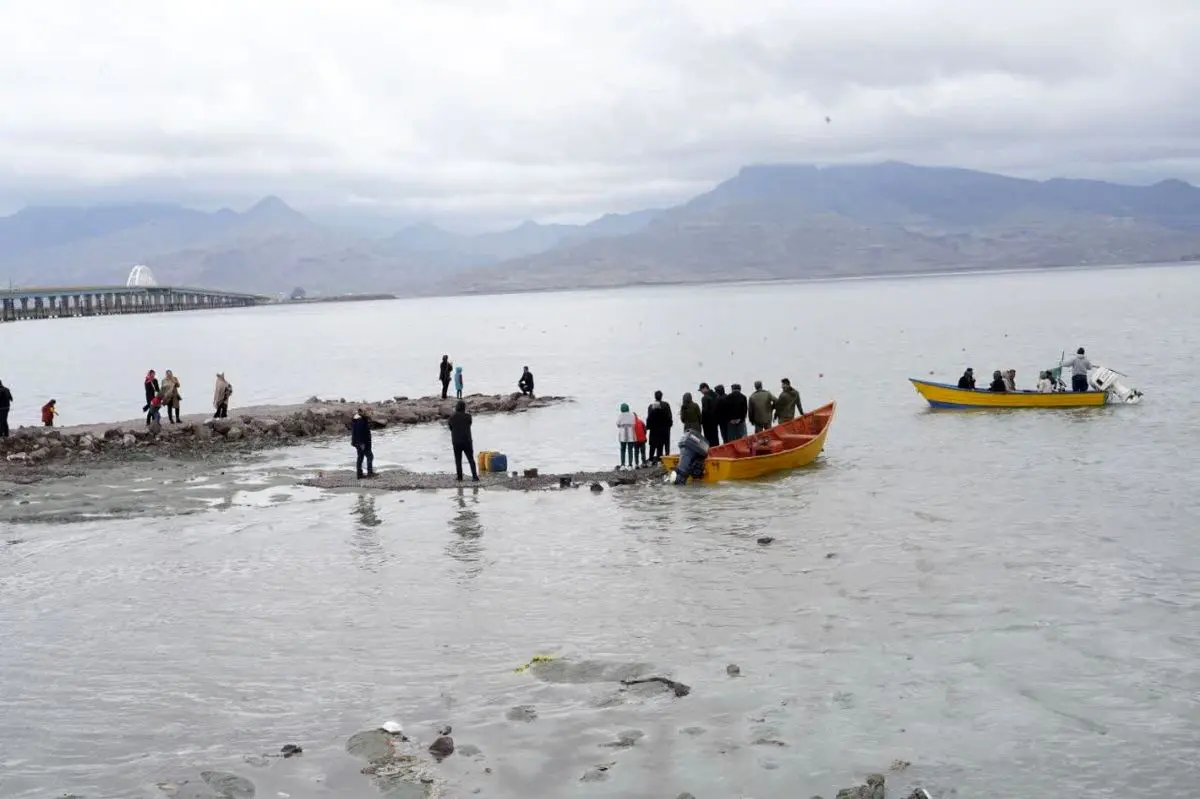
789,221
766,222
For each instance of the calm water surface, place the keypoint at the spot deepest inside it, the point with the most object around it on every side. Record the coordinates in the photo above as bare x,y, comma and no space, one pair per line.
1012,601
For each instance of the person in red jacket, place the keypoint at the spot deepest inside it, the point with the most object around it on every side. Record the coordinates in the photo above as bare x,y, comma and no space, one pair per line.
49,411
639,439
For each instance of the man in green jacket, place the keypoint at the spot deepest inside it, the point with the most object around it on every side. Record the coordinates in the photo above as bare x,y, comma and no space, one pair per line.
762,407
788,404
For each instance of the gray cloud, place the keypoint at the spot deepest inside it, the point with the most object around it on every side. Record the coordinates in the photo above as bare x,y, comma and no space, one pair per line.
548,107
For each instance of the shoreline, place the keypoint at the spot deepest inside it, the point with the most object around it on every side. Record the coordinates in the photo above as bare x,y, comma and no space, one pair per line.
31,454
399,479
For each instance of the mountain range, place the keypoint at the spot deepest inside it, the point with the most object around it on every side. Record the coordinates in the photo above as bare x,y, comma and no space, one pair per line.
766,222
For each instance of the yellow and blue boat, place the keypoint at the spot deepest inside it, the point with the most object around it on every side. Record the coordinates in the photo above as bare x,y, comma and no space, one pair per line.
946,397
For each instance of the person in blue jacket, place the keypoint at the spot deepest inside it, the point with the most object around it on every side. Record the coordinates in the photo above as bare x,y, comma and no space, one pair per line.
458,382
360,437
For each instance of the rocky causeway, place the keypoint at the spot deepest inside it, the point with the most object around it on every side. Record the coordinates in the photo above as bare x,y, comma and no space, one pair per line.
33,453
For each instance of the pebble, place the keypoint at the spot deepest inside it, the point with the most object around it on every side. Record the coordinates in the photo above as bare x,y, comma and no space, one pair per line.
733,670
764,540
442,748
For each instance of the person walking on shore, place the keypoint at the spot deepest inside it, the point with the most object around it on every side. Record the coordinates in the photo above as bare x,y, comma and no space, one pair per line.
171,396
458,382
444,371
360,439
221,394
6,399
49,411
526,383
150,384
462,441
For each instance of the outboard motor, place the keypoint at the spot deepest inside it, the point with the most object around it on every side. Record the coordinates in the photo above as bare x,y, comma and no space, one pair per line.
1104,379
693,451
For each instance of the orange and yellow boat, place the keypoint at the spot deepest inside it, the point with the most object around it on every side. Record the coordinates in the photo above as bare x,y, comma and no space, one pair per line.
787,446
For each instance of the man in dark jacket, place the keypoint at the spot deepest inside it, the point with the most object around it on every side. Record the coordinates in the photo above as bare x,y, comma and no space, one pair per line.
968,379
708,416
360,438
6,399
526,382
722,402
736,407
460,438
659,421
444,374
788,406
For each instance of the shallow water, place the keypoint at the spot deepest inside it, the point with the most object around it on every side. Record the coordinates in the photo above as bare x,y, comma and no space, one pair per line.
1011,605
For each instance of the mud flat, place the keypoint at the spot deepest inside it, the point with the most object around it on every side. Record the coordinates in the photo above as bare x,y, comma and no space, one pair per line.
34,453
403,480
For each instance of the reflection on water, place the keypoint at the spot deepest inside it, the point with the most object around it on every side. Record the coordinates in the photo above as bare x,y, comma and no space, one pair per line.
466,546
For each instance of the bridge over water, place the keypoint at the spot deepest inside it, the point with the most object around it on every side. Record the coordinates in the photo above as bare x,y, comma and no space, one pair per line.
140,294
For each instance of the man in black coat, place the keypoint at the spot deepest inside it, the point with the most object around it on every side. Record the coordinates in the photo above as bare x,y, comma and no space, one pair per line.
659,421
526,382
444,374
736,407
460,438
708,415
360,438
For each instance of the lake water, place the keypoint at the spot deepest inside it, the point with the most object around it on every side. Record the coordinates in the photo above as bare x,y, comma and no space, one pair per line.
1009,601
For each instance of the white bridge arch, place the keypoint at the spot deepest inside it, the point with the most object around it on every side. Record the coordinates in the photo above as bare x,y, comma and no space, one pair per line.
140,276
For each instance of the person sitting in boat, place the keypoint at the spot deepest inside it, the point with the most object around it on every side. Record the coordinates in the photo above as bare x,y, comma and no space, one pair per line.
998,385
1080,366
1045,384
967,380
1010,380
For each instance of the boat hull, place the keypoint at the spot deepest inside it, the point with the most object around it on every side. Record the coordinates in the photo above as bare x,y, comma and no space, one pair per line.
947,397
735,461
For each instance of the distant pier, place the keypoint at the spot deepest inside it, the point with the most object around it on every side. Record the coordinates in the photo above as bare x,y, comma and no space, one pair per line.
65,301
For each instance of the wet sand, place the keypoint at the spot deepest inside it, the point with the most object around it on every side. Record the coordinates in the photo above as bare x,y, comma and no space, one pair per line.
403,480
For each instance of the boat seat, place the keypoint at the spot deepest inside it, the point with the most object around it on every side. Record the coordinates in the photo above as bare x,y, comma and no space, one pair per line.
741,448
792,440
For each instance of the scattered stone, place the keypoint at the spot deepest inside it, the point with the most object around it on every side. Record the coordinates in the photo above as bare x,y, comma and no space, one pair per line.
235,433
597,774
733,670
230,786
919,793
39,454
17,457
392,728
129,440
597,488
291,750
685,795
442,748
625,739
531,472
874,789
830,555
764,540
693,731
445,730
679,688
899,765
768,742
524,713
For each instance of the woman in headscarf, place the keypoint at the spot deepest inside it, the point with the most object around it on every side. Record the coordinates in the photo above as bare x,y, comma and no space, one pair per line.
171,396
221,395
689,414
151,386
625,434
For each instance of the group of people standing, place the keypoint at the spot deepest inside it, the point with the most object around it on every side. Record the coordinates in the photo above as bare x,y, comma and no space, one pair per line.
719,417
166,393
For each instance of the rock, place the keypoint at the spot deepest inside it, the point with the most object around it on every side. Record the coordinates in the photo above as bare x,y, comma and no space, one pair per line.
203,432
445,730
679,688
764,540
531,472
313,400
291,750
597,774
693,731
39,454
625,739
392,728
228,785
114,434
733,671
220,426
597,488
768,742
234,433
830,555
524,713
442,748
129,440
17,457
685,795
874,789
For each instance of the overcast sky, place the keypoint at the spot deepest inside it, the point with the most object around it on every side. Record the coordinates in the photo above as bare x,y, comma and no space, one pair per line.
540,108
